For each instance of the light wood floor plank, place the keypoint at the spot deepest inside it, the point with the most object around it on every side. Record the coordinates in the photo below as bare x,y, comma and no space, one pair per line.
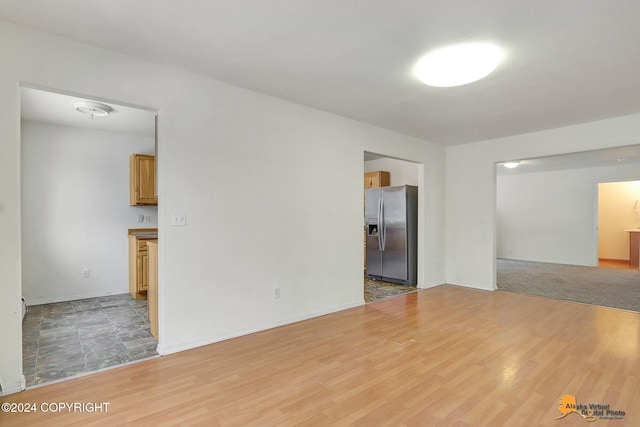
447,356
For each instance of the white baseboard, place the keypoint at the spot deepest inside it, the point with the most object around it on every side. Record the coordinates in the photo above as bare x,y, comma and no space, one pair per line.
72,297
430,285
165,350
5,389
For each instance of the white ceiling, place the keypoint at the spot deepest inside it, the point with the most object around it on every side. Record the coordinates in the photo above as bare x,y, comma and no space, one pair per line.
568,62
49,107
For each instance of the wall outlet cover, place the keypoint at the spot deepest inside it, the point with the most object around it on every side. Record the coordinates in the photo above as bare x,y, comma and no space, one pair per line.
179,219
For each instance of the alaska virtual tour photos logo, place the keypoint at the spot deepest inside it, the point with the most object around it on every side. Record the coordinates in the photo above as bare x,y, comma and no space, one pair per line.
590,412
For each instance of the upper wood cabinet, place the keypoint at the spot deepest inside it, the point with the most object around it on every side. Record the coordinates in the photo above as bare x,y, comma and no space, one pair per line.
377,179
142,169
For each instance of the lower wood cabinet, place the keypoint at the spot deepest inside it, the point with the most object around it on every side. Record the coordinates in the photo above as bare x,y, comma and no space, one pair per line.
139,265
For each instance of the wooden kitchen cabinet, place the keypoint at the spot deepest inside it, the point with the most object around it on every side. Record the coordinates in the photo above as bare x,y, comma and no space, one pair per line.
376,179
142,182
152,286
139,263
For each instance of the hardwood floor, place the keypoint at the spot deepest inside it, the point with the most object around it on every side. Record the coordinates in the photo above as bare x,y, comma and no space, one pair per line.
615,263
448,356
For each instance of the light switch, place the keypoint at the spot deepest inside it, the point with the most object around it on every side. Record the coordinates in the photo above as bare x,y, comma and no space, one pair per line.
140,218
179,219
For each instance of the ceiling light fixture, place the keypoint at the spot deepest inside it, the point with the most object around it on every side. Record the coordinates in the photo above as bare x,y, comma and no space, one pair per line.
458,64
511,165
92,108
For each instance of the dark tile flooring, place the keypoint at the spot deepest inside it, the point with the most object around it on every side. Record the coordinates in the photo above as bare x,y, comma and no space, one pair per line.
375,290
75,337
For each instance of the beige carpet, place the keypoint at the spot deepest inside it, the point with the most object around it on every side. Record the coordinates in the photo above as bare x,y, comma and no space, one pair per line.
609,287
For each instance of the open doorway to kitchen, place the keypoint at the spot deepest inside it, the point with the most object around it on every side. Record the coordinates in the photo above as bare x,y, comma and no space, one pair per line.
79,315
382,171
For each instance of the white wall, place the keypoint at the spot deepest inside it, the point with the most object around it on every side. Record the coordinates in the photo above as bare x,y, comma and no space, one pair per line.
257,177
552,216
75,211
400,172
618,209
471,188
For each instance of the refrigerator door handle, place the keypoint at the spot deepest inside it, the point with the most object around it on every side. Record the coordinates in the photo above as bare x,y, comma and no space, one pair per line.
382,225
379,224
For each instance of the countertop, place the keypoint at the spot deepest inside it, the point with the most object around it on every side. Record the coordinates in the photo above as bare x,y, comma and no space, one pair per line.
143,233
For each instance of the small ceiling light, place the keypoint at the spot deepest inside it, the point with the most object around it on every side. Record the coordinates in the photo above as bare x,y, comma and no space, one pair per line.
511,165
458,64
92,108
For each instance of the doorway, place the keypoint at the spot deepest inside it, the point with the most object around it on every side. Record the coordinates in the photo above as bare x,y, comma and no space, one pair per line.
382,171
548,227
618,211
75,214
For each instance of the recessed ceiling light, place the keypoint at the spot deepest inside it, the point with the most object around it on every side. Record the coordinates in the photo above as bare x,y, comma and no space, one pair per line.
458,64
511,165
92,108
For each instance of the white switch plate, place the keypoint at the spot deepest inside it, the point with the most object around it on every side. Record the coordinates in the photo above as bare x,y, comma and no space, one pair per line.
179,219
140,218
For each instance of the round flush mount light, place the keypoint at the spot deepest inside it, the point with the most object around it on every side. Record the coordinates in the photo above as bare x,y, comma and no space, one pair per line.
511,165
92,108
459,64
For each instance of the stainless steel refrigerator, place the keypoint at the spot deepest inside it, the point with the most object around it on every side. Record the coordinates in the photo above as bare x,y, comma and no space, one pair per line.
391,223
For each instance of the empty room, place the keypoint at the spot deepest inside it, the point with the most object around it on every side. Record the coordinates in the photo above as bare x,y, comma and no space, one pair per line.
247,254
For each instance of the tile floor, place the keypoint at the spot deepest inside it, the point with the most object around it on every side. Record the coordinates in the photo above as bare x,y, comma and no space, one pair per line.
375,290
74,337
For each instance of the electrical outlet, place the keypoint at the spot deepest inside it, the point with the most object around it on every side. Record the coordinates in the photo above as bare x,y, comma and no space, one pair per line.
86,272
179,219
140,218
276,292
147,218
